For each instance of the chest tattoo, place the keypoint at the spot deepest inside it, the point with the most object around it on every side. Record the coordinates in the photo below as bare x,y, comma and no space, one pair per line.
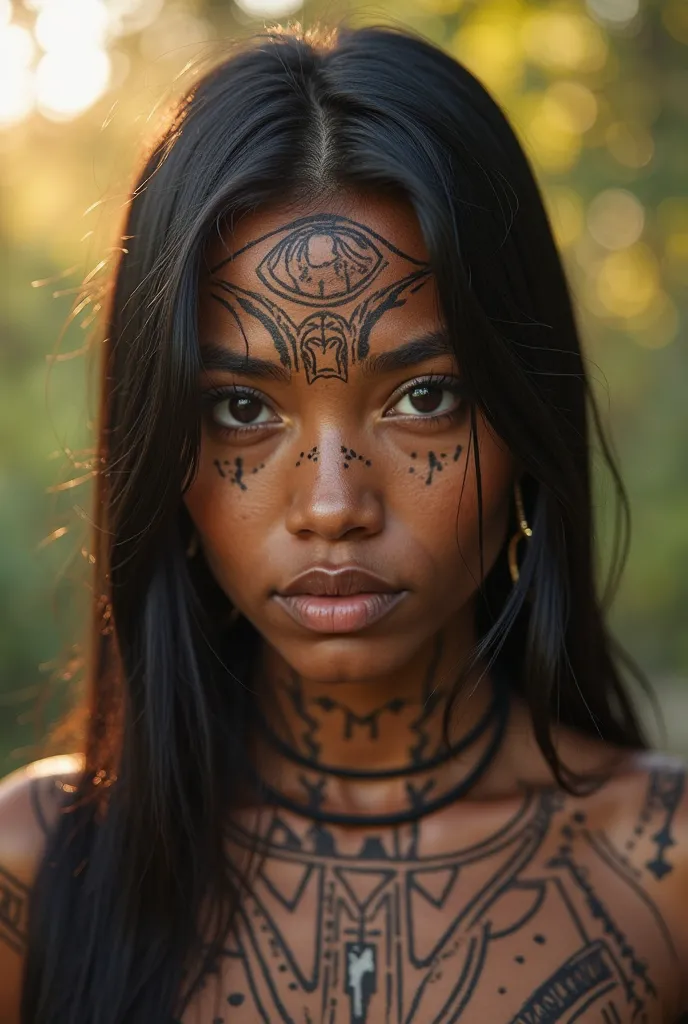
530,926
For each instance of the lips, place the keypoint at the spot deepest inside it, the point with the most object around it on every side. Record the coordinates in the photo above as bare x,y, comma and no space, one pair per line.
338,600
321,581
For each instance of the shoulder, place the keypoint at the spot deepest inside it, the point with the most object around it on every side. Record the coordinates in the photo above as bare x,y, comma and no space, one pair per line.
645,803
643,812
30,800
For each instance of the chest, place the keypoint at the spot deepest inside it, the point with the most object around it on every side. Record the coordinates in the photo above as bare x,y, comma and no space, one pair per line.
521,929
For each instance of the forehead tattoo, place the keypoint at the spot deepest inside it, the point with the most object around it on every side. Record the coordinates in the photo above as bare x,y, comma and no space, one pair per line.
346,277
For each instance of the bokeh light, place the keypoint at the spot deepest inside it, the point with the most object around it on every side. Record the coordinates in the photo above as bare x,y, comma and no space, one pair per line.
566,212
575,103
17,50
630,144
485,43
675,19
628,281
72,25
76,67
614,12
65,88
129,16
563,39
269,8
549,132
616,218
173,34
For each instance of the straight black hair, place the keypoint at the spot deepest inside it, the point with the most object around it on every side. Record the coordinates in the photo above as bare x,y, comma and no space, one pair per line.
119,925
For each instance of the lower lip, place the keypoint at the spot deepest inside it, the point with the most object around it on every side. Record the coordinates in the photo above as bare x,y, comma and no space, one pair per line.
339,614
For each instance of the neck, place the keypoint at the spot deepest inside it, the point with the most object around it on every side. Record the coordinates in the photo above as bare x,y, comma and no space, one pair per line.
391,724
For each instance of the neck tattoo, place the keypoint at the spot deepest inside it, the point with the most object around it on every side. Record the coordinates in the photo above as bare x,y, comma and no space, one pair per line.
424,792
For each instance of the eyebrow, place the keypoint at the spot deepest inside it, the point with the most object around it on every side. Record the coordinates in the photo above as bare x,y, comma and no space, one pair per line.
217,357
418,350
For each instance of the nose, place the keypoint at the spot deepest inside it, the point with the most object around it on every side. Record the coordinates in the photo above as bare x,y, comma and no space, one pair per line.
334,492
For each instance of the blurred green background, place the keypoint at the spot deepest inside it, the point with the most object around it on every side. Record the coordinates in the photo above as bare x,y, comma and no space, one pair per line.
598,92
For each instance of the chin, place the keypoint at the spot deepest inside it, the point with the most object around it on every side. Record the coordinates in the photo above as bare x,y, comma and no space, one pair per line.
349,659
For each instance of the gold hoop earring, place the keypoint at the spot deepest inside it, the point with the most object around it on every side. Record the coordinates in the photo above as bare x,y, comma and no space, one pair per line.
192,547
523,531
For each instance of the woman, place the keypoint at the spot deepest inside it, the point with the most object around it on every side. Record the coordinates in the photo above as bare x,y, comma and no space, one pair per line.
359,747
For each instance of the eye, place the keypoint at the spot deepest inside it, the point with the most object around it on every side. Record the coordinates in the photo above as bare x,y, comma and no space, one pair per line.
430,398
235,409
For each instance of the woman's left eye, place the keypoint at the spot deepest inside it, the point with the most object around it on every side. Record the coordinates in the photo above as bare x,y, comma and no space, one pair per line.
430,398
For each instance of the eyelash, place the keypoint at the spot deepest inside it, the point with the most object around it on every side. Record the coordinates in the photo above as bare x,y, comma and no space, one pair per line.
213,396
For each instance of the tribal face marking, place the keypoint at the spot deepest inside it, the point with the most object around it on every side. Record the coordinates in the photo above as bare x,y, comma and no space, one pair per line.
436,463
237,472
312,455
322,262
350,456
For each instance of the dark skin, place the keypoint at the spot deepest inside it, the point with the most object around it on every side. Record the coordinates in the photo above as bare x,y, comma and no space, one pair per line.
311,501
513,903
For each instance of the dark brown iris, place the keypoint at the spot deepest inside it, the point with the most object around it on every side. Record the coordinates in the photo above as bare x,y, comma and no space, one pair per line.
426,398
244,408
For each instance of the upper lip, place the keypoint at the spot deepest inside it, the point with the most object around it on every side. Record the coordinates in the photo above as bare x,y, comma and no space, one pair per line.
342,581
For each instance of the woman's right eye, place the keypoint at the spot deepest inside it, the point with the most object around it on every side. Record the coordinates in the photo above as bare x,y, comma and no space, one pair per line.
234,409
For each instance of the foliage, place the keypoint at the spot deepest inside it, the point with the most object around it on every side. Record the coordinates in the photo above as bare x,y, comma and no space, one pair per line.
598,92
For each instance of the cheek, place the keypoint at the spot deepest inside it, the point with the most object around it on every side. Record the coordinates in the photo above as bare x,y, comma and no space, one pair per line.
497,470
437,495
228,503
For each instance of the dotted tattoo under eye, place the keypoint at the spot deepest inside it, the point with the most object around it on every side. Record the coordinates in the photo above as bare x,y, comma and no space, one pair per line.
437,462
351,456
312,455
235,473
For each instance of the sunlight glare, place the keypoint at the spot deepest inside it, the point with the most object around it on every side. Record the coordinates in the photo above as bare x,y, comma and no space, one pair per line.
17,47
66,87
16,94
129,16
269,8
72,24
16,81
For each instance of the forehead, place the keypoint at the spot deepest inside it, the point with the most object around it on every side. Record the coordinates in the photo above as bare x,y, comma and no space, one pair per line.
318,286
392,220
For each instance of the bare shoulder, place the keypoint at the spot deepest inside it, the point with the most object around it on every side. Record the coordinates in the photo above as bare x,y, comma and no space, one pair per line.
30,800
643,814
645,805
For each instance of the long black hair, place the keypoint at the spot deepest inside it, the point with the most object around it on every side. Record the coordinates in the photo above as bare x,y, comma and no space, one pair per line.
118,922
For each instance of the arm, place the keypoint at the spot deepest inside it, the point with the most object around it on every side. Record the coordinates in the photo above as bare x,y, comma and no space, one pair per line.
28,808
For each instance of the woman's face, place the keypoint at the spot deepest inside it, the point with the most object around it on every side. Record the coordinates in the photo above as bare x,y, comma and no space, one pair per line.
335,434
